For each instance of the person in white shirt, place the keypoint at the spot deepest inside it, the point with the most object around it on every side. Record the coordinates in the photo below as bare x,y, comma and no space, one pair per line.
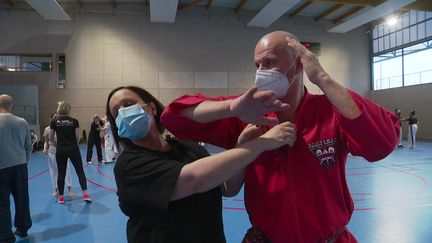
110,148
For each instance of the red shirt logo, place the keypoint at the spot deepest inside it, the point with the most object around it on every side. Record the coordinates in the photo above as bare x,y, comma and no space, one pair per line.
324,151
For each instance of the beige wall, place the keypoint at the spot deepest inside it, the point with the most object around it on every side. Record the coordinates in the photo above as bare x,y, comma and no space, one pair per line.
208,54
418,97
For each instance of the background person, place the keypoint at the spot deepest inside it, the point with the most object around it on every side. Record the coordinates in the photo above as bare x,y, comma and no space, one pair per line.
50,150
398,114
94,139
15,150
412,129
66,129
110,147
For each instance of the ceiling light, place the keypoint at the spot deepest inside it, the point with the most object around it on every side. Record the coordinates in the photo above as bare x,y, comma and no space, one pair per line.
392,21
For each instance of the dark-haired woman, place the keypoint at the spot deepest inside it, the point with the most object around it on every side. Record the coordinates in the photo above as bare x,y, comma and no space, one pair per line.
171,190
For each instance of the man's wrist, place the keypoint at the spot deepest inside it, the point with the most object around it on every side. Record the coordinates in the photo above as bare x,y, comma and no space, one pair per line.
323,81
229,108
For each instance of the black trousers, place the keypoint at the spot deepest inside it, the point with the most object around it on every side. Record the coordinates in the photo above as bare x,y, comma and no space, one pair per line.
63,153
94,140
14,180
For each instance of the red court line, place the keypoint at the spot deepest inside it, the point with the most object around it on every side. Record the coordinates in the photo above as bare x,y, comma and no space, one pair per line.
41,173
101,173
92,182
38,174
101,186
425,182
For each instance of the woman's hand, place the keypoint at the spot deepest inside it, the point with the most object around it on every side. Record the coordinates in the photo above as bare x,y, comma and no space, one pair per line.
279,135
250,132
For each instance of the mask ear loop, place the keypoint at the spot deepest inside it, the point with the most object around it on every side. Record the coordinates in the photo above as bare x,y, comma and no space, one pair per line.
292,65
148,105
289,69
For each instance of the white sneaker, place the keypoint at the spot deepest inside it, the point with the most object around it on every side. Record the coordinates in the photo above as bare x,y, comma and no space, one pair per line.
71,193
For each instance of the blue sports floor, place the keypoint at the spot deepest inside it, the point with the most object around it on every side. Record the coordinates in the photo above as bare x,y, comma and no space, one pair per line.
393,201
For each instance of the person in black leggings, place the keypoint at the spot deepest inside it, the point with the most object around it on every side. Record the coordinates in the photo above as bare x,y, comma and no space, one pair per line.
94,139
66,129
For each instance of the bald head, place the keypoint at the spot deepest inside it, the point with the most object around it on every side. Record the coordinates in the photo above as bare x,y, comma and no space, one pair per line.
276,40
272,53
6,102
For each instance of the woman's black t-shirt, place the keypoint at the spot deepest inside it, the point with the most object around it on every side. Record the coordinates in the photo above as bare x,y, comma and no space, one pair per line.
146,180
412,120
93,129
65,126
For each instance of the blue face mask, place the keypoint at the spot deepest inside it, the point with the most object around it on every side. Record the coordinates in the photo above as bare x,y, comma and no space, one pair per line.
133,122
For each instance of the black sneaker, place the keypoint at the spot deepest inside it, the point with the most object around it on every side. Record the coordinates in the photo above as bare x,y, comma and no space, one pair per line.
21,233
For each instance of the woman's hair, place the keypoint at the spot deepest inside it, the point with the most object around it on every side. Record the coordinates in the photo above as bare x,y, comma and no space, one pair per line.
147,98
63,108
53,114
412,113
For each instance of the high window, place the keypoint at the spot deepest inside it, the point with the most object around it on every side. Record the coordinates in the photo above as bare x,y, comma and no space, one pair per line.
401,52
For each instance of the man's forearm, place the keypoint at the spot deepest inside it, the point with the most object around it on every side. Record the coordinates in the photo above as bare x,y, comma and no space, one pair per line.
208,111
339,97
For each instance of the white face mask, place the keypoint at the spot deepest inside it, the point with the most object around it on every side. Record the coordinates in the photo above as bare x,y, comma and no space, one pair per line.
267,80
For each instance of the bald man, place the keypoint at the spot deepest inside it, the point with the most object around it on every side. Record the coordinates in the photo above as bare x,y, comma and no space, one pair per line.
15,152
298,193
